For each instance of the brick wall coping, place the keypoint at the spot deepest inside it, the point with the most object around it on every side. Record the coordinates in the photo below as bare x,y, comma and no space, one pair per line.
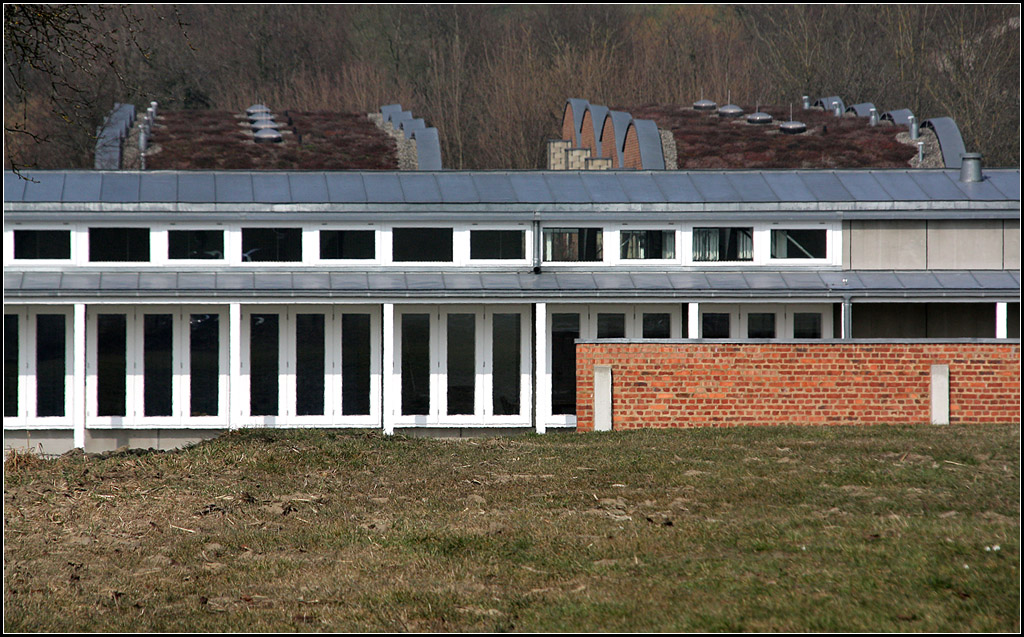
800,341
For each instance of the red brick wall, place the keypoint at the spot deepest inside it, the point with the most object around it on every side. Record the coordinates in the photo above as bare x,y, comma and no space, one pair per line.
725,384
631,149
568,127
587,137
608,141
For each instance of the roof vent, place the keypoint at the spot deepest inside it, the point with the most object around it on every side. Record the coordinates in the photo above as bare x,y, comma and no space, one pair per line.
257,108
792,127
704,105
970,168
261,124
730,111
260,116
267,136
759,118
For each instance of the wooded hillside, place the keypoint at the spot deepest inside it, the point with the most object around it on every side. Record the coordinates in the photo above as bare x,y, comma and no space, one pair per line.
494,79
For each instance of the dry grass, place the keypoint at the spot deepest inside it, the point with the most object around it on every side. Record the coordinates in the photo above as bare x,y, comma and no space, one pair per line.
742,529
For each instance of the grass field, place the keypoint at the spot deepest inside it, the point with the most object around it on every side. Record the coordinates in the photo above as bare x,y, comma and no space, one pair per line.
743,529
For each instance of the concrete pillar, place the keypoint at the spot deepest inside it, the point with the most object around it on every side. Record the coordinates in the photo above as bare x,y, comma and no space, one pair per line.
940,394
78,391
847,319
389,382
602,398
235,407
543,373
693,320
1001,322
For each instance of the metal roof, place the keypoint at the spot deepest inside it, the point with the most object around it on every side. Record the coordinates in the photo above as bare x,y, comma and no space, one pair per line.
550,283
506,187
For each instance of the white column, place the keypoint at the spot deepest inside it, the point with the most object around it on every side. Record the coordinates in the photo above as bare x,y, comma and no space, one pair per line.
693,320
78,412
389,385
543,400
1000,320
234,364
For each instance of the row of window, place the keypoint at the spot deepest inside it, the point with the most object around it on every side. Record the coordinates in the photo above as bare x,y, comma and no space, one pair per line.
426,245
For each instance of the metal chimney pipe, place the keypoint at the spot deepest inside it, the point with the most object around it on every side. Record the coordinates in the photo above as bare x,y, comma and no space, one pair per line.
970,168
920,154
837,109
807,103
873,118
915,128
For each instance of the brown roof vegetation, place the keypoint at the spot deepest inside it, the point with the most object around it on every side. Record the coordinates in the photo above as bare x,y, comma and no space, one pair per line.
311,140
704,140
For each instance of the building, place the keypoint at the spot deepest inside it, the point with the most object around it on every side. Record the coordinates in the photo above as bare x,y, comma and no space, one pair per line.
154,308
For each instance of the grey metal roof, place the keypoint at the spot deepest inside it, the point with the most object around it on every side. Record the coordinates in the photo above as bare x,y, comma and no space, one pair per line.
950,141
829,103
428,148
900,116
505,187
597,116
876,284
861,110
649,139
620,122
578,107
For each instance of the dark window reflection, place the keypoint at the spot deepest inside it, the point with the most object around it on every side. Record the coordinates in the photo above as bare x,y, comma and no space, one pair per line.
506,357
565,329
355,364
309,364
111,364
204,364
415,364
264,341
461,363
157,364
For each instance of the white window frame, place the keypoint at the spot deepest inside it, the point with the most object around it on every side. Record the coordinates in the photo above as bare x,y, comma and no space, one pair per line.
233,245
523,227
483,415
160,241
614,234
313,239
606,259
287,415
833,247
27,350
10,261
156,240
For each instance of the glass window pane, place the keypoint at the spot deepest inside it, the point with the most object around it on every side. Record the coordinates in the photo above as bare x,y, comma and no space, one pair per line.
714,325
657,325
421,244
347,244
119,244
497,244
647,244
506,358
461,346
309,364
723,244
611,326
157,364
111,364
799,244
11,358
204,364
264,344
355,364
195,244
42,244
807,325
573,244
271,244
761,325
415,364
565,329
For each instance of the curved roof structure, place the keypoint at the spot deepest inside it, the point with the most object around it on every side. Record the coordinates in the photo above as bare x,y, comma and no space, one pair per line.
861,110
951,142
593,122
649,140
574,108
409,126
428,148
619,121
900,117
829,103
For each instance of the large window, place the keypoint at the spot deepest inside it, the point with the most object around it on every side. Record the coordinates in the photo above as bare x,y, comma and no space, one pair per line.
195,244
119,244
347,244
723,244
573,244
42,244
421,244
647,244
799,244
271,244
497,244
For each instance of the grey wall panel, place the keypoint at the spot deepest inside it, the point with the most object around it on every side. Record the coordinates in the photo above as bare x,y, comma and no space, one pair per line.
888,245
1011,245
965,244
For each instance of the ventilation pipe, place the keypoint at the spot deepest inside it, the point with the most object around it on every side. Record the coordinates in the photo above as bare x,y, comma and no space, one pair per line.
915,128
837,109
970,168
807,103
873,118
920,154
